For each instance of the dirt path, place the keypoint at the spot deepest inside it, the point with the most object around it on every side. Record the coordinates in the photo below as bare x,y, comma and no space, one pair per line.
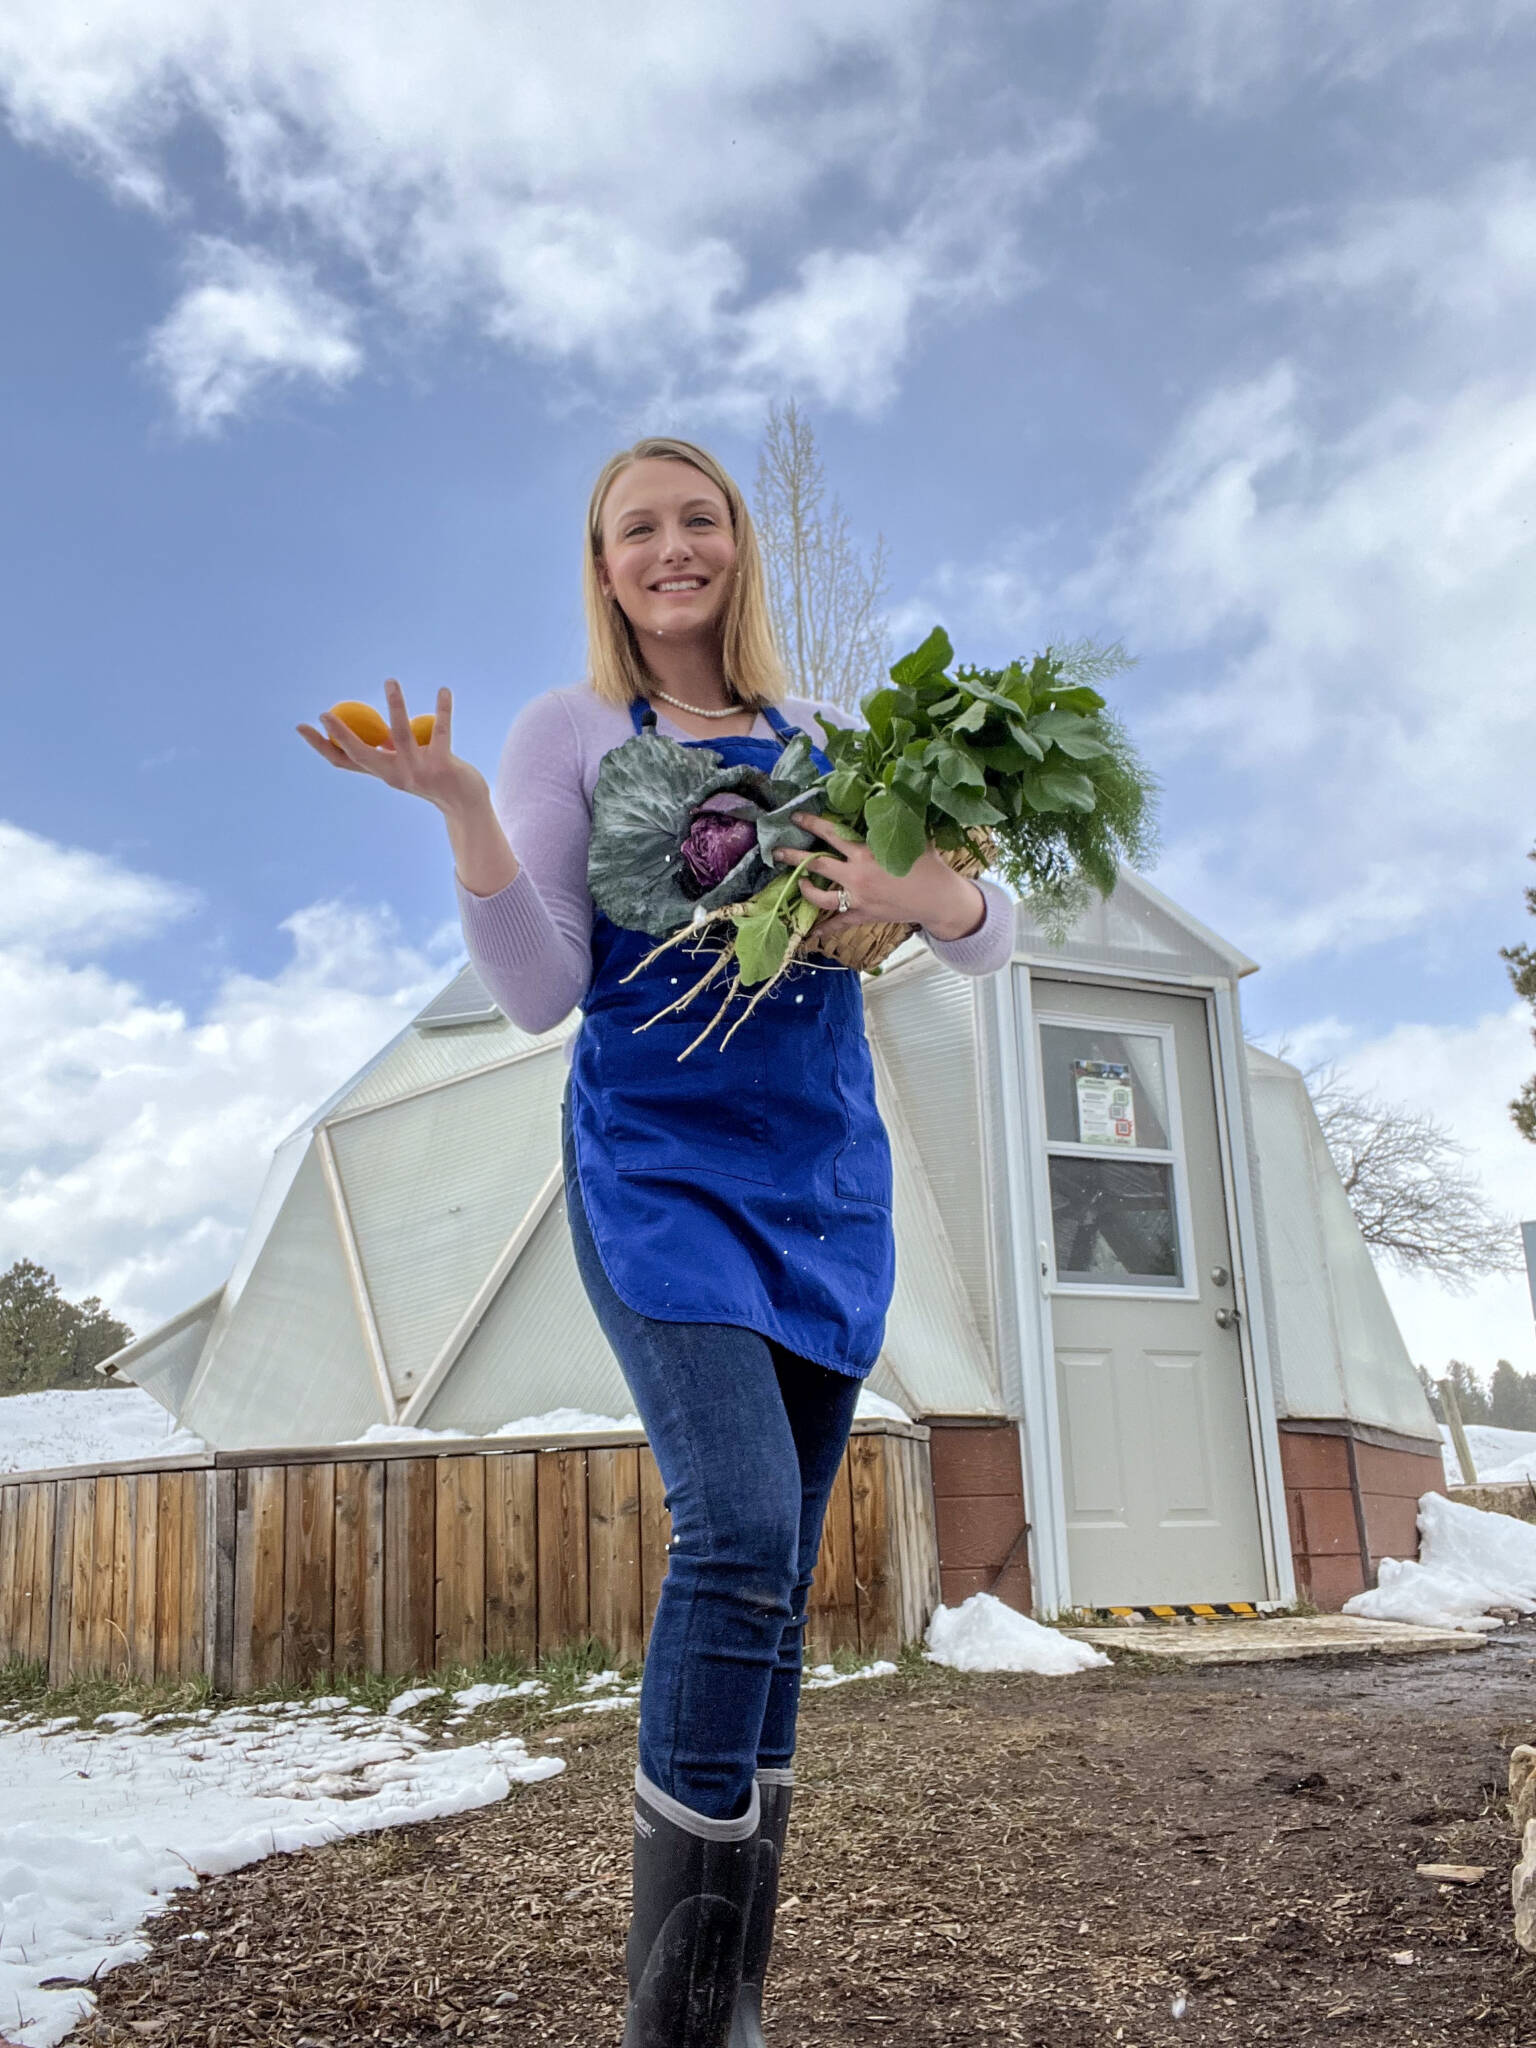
1136,1856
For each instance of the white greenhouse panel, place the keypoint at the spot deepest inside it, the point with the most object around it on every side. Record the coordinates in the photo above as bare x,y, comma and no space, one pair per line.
925,1025
421,1059
931,1342
291,1365
164,1362
1338,1349
435,1186
538,1347
1136,928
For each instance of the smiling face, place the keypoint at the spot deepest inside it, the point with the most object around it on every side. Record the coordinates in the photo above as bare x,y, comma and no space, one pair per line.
668,550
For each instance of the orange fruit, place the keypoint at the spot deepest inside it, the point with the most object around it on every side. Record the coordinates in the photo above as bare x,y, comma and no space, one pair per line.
422,725
363,720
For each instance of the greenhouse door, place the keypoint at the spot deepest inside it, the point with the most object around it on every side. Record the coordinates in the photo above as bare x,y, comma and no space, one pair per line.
1156,1459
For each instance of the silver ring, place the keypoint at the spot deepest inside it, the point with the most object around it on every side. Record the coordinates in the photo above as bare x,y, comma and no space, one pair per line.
843,905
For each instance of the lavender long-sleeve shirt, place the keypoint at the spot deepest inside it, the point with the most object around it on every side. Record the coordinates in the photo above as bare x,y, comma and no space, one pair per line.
531,942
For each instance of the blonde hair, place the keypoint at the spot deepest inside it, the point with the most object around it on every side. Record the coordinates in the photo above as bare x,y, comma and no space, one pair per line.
754,673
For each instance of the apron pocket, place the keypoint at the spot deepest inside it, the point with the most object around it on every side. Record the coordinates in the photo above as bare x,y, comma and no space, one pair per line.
861,1172
703,1114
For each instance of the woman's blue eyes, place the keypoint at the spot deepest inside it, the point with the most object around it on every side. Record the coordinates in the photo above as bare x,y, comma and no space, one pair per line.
638,532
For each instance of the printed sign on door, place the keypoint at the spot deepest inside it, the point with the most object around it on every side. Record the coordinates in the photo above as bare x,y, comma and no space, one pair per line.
1106,1105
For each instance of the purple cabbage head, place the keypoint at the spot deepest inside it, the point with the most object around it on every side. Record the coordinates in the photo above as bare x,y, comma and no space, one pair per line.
716,840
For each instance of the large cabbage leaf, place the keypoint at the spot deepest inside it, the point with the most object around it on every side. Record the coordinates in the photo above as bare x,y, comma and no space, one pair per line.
646,795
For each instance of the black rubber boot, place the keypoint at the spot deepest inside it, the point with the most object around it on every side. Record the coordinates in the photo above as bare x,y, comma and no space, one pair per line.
774,1790
693,1892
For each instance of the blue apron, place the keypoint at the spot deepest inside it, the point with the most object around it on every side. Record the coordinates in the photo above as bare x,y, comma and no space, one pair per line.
748,1185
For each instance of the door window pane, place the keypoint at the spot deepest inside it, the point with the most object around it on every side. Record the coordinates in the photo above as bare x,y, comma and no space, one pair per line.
1114,1222
1104,1087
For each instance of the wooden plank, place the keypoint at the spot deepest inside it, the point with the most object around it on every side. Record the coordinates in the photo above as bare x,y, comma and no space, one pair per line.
309,1571
168,1502
563,1594
40,1593
512,1556
260,1511
613,1493
62,1590
16,1590
98,1641
144,1519
833,1619
872,1576
410,1515
121,1584
194,1577
359,1625
10,1573
925,1529
898,1516
221,1581
460,1574
655,1535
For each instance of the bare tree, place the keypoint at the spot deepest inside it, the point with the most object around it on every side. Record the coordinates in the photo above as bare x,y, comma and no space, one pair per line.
827,600
1413,1197
1521,961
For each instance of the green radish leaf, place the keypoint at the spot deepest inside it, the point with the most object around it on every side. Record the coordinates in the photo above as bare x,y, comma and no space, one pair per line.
846,791
1070,792
1082,746
761,944
912,784
1007,760
879,710
959,770
1057,723
973,717
932,658
1026,740
965,806
804,915
1076,698
896,835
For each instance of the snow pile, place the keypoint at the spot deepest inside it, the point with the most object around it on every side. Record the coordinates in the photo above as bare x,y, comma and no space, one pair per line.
577,1422
877,1406
100,1826
1500,1455
821,1677
982,1634
1469,1562
38,1431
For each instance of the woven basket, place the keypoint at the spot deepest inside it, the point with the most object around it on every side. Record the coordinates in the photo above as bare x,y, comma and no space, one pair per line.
868,946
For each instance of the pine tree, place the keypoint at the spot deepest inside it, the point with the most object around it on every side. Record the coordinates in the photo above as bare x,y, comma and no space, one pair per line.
1471,1394
1521,961
47,1341
1512,1397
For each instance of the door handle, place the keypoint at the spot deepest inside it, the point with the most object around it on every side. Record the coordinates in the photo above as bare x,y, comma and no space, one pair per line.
1227,1318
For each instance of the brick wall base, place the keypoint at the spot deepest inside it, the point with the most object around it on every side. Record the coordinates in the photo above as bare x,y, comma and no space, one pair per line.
1352,1499
978,1504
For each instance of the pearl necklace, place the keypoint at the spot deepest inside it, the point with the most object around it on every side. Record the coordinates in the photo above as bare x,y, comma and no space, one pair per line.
730,711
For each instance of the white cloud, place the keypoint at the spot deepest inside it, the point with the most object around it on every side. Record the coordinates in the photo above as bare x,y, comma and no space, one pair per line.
1464,1075
133,1136
63,899
243,323
608,186
1221,54
1467,255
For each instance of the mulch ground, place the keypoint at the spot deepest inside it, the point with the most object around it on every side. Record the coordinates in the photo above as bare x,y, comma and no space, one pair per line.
1136,1856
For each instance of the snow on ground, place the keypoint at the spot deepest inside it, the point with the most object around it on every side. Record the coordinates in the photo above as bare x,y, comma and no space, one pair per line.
98,1826
1498,1454
1469,1563
38,1431
982,1634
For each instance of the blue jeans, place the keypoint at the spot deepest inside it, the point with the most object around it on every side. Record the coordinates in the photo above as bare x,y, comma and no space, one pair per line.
748,1438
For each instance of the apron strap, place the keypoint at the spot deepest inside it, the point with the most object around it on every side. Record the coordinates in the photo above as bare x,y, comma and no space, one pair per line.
780,723
642,716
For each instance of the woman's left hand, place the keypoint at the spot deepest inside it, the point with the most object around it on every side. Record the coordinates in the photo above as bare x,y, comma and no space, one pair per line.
930,894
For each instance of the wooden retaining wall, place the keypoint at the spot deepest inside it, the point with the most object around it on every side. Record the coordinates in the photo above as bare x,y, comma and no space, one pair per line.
259,1567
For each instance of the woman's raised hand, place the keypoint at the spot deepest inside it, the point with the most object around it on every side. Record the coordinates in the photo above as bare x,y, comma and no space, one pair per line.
432,771
930,894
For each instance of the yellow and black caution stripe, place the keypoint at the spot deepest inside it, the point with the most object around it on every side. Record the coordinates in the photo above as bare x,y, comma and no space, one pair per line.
1198,1610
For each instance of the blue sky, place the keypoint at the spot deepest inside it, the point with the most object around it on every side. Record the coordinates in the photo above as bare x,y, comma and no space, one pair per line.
1202,324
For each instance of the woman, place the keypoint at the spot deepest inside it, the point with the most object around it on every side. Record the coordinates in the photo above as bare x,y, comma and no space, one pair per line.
730,1214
